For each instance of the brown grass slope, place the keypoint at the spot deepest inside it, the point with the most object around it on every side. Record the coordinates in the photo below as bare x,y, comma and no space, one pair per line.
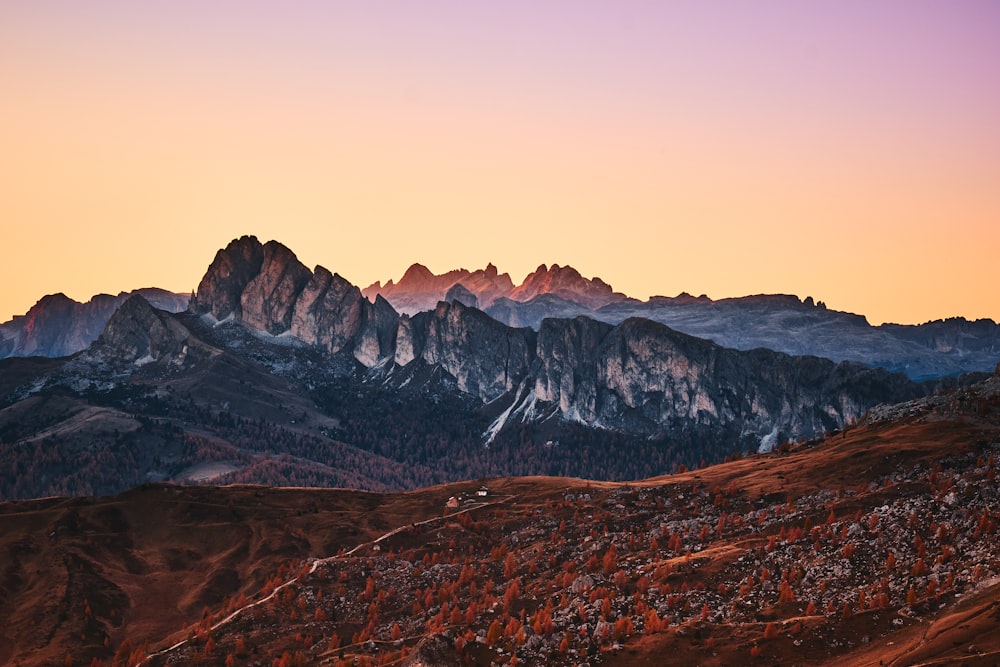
773,559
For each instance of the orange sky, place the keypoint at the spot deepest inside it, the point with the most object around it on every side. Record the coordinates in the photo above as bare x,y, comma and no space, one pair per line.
842,151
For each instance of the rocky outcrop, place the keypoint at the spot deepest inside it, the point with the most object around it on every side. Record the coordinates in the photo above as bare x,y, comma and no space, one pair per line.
568,372
58,326
785,323
434,651
268,301
377,338
138,333
641,376
277,294
486,358
329,311
221,289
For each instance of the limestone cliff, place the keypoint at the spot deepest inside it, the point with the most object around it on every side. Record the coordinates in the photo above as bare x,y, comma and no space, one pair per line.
644,376
269,299
267,288
486,358
138,333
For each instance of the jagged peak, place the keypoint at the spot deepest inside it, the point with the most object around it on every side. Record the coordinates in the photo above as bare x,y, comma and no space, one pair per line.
279,249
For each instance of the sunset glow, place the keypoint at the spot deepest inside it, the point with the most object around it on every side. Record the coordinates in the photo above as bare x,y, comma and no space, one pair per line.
845,150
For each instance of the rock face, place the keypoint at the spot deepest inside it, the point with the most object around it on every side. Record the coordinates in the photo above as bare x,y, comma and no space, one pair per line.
486,358
269,289
642,376
328,311
139,333
57,326
787,324
568,368
268,300
220,291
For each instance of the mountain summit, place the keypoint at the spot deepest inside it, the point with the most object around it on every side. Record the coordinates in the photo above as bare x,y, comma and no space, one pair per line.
57,325
419,289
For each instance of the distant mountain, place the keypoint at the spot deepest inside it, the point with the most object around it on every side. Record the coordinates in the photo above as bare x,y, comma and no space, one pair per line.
333,313
784,323
419,289
566,283
57,325
787,324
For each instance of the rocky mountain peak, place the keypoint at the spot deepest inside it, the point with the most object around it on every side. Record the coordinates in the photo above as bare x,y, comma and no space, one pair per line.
267,288
137,332
420,289
566,282
227,276
58,326
268,301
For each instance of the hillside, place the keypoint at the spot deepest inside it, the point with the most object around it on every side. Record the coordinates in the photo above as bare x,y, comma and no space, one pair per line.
877,545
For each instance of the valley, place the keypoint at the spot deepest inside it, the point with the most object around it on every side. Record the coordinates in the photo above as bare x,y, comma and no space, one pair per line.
875,544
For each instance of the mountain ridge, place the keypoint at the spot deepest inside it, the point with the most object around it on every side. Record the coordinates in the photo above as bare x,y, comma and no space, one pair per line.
629,387
785,323
57,325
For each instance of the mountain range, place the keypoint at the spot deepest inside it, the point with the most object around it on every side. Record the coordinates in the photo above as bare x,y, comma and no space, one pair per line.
276,373
57,326
783,323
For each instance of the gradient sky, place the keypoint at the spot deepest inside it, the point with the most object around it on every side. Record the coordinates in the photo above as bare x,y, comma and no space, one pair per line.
847,150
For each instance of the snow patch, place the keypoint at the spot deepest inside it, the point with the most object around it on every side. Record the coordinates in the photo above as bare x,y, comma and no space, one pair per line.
285,338
523,403
211,319
148,359
768,442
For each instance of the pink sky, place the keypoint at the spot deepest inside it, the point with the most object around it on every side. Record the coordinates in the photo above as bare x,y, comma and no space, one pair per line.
845,150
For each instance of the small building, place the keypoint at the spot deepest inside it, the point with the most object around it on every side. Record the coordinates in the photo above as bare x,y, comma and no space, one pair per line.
483,492
452,503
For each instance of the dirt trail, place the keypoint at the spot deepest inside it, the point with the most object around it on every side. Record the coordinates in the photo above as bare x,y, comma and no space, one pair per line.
316,564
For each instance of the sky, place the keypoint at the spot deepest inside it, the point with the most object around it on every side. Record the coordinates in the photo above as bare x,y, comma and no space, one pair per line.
845,150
